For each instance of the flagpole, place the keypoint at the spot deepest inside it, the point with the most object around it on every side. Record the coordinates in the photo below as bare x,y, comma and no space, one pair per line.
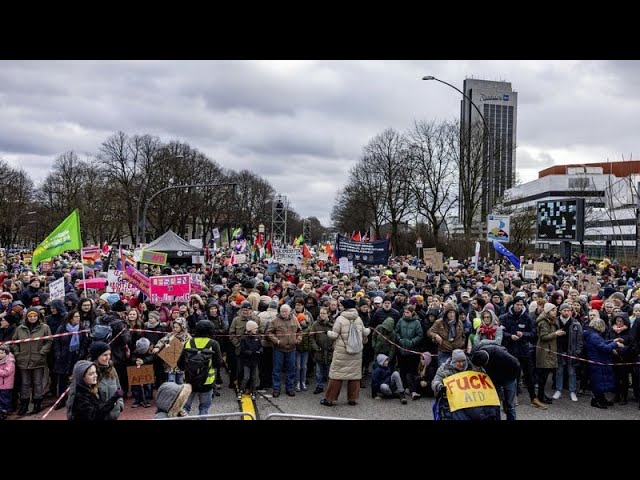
84,278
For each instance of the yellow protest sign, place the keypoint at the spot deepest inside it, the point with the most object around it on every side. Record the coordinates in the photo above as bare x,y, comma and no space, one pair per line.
470,389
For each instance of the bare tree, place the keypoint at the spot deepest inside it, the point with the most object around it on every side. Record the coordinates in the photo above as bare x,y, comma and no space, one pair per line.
433,182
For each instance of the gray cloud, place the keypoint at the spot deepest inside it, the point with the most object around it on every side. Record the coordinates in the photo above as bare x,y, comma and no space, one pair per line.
302,124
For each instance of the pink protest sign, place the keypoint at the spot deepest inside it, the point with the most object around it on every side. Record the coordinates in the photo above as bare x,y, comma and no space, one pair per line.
137,279
170,288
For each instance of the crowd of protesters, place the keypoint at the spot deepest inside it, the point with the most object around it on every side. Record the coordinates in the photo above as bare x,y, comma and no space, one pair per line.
288,332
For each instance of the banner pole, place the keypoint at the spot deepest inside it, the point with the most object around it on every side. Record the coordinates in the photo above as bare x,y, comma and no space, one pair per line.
83,275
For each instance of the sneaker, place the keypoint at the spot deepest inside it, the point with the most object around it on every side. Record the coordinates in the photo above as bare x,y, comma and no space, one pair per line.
303,387
297,387
253,396
403,400
291,393
415,396
239,397
377,397
538,404
574,397
557,395
136,405
318,390
146,404
275,394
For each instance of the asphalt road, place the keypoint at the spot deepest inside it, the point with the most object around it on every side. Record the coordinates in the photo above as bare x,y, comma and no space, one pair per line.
306,403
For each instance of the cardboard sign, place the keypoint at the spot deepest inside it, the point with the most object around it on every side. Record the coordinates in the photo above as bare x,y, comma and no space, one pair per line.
543,268
454,264
241,258
170,288
141,375
496,270
470,389
154,258
198,259
530,274
56,289
171,353
433,259
588,283
416,274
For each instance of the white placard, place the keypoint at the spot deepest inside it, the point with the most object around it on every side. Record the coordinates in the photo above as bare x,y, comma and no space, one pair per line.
345,265
198,258
196,242
241,258
56,289
115,284
530,274
453,264
498,228
216,233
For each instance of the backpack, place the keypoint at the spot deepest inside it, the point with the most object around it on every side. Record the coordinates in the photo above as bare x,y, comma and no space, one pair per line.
197,363
101,332
354,341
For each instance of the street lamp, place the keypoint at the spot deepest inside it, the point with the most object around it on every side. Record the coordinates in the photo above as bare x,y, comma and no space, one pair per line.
172,187
486,126
142,187
418,246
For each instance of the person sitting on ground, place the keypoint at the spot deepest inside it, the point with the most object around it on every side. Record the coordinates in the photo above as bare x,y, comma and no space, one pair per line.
170,400
385,382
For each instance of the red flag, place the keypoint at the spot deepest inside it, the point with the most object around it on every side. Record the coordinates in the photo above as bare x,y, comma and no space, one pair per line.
366,236
305,251
105,248
267,246
258,242
357,237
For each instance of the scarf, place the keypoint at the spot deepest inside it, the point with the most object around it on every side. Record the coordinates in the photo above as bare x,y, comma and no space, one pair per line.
74,345
452,329
488,331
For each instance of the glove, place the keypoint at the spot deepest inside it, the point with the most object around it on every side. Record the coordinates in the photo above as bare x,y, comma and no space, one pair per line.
439,387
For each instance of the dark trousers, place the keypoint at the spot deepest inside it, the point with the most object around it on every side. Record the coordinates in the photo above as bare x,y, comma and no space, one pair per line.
527,363
265,367
407,364
543,375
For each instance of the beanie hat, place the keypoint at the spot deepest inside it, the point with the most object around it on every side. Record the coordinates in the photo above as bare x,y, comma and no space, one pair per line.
548,307
563,306
119,306
112,298
301,317
348,303
273,304
154,314
105,297
245,304
79,370
377,300
480,358
32,309
458,355
98,348
34,279
19,309
142,346
252,326
6,295
618,295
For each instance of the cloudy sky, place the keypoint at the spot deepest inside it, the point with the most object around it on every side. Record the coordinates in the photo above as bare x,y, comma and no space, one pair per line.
302,124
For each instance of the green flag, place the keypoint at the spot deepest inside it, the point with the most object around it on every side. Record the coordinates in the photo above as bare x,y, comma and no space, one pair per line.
65,237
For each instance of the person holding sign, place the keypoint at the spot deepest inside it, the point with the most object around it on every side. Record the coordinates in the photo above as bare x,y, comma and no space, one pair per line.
179,332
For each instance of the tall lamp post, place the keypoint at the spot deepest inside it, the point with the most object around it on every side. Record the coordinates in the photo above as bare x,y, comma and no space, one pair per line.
172,187
418,247
486,126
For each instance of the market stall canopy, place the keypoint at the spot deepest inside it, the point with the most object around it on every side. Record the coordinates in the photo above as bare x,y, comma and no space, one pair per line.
178,249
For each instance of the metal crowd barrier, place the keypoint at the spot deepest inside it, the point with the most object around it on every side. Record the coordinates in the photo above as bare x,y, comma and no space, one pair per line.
305,417
213,415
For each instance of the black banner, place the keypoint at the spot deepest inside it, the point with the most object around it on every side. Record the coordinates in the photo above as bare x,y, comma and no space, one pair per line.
362,252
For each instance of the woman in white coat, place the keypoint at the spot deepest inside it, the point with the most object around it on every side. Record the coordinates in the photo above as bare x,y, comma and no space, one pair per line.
344,365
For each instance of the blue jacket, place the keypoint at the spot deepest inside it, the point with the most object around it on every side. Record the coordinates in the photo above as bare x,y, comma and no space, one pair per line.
599,350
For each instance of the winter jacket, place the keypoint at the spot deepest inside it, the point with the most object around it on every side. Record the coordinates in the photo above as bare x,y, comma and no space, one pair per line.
482,335
250,350
572,342
599,350
409,331
64,360
381,315
546,354
238,327
379,376
503,368
31,355
284,334
346,366
441,328
513,323
7,372
320,343
108,384
382,339
266,318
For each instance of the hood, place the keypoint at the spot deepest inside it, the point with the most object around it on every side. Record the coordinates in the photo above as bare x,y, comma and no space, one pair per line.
80,367
59,306
494,317
182,322
381,358
624,316
351,314
388,324
171,397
